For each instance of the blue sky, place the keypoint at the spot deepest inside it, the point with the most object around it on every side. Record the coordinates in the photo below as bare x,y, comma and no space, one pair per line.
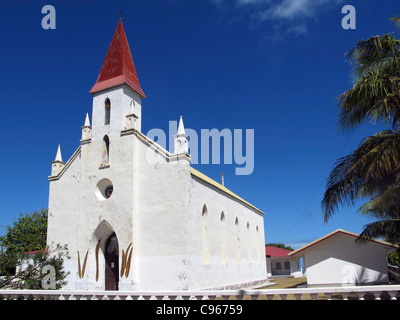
275,66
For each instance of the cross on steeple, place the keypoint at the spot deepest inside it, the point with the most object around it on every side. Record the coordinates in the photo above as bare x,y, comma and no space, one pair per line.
120,14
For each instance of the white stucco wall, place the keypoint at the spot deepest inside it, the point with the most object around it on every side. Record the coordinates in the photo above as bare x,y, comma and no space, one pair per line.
222,252
156,206
120,98
160,220
338,260
75,208
75,211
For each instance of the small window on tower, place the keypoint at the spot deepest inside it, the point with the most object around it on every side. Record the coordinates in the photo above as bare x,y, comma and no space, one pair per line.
106,150
107,111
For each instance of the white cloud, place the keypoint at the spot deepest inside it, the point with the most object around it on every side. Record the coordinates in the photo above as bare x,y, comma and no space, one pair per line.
288,9
295,15
292,9
241,2
252,1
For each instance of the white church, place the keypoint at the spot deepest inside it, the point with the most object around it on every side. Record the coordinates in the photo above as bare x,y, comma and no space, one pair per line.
138,217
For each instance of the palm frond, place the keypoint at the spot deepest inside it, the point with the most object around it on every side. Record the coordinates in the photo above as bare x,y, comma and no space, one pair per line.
396,20
388,229
375,95
385,204
368,170
373,53
372,171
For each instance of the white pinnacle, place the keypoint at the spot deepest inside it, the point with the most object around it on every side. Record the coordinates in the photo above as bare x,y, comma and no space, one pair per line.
132,107
87,122
181,128
58,155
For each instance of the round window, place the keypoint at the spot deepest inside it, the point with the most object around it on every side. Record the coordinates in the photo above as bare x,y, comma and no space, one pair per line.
104,189
108,191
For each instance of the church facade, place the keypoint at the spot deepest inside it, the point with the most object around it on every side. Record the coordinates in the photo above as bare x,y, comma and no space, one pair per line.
138,217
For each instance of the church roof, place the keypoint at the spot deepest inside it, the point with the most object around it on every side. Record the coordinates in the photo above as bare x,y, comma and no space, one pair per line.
118,66
219,186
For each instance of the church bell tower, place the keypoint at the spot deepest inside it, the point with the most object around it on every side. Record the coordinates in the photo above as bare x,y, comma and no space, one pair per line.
117,95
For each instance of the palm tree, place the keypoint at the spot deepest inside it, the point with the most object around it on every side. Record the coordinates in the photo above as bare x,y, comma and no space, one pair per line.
370,172
373,170
375,93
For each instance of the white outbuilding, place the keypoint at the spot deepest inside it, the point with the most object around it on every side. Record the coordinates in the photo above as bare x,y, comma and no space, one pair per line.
138,217
337,260
279,263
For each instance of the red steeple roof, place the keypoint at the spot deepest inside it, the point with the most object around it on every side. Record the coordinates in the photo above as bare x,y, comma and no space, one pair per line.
118,67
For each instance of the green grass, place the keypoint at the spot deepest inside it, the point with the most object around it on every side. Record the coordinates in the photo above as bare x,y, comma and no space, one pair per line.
281,283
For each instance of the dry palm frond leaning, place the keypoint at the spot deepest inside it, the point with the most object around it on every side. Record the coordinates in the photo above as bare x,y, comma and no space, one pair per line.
97,259
81,271
126,261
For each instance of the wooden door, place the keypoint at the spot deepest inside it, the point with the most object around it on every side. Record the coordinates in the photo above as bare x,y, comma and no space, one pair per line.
112,265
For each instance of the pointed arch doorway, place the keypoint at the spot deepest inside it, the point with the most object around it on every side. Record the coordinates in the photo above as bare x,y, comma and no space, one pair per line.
111,255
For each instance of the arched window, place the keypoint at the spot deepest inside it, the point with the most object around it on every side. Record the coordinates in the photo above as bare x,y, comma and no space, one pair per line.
206,244
237,241
248,242
106,150
223,240
107,111
259,246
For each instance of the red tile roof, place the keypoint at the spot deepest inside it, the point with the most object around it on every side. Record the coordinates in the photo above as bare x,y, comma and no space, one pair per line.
272,251
118,67
36,251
